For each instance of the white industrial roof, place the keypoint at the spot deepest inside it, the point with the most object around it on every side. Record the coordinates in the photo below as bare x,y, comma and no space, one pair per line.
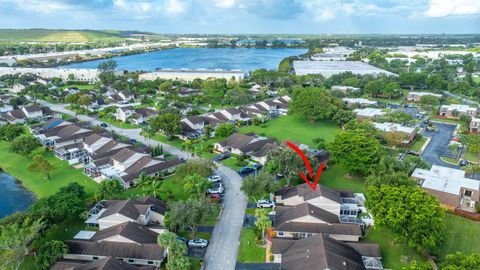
458,107
369,112
445,179
424,94
360,101
329,68
392,127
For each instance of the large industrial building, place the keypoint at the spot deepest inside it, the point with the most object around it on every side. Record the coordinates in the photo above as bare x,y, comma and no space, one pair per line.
83,75
192,74
329,68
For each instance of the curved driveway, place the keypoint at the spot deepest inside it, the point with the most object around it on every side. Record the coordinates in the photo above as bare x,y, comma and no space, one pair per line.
223,248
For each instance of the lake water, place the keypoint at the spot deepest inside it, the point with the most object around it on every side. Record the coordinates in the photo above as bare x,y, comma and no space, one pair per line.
194,58
14,197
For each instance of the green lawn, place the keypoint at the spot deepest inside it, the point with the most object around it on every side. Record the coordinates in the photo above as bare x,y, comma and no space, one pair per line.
201,145
463,236
120,124
449,160
419,141
446,120
63,174
80,86
231,162
393,254
336,177
472,157
296,129
249,252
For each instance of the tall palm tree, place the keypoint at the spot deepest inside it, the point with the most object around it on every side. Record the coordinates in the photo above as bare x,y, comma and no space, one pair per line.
154,187
143,182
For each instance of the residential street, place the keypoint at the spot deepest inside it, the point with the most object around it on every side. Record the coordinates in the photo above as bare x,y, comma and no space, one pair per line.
223,247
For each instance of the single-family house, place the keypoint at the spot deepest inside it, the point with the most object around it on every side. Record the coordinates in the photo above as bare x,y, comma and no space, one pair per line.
362,102
34,113
409,132
146,211
320,252
450,186
304,220
130,242
368,113
135,116
107,263
417,96
186,92
242,144
474,125
456,110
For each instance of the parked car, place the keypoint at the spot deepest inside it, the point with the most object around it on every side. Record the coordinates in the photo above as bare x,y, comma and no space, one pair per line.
216,190
199,242
463,162
103,125
246,170
265,204
214,197
181,239
224,155
426,121
214,178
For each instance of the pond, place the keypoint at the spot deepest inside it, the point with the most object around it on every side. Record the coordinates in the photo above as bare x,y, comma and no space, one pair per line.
14,196
194,58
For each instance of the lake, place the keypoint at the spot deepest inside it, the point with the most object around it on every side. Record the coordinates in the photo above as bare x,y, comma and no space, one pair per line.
194,58
14,196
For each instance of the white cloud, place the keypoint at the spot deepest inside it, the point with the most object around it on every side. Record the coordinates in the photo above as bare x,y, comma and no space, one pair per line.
225,3
175,7
39,6
442,8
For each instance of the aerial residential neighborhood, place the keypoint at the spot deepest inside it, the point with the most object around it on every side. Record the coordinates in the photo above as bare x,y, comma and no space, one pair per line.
239,135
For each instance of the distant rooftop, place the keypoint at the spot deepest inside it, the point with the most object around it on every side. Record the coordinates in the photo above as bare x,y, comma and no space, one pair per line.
445,179
329,68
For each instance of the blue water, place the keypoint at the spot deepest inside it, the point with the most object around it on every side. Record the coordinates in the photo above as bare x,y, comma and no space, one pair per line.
194,58
14,197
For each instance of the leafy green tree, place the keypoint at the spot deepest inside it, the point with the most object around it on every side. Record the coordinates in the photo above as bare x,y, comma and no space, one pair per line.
41,165
355,151
260,185
262,221
214,90
107,71
224,130
320,143
9,132
196,185
109,190
429,102
168,123
312,104
341,117
238,96
285,161
154,187
176,251
461,261
374,88
410,212
14,240
49,253
166,86
200,166
191,213
413,80
24,145
143,182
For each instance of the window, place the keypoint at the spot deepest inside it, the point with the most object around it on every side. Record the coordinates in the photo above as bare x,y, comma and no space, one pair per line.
280,233
150,262
95,258
468,193
131,261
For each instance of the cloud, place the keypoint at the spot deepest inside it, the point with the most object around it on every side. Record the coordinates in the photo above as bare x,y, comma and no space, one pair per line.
175,7
442,8
39,6
225,3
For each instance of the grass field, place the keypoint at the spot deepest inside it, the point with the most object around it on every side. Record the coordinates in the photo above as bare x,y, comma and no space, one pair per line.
296,129
63,174
249,252
463,235
48,35
336,177
120,124
419,141
393,254
472,157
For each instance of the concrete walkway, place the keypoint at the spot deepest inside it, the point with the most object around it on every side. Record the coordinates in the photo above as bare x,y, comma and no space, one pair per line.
223,248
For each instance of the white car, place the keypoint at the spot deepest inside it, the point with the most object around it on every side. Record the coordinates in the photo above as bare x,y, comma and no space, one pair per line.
216,190
214,178
265,204
199,242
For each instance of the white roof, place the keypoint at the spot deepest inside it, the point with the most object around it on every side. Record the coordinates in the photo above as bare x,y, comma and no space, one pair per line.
458,107
393,127
424,94
329,68
360,101
445,179
84,235
369,112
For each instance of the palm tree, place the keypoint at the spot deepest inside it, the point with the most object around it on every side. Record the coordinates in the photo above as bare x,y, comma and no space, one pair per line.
154,187
143,182
262,221
196,185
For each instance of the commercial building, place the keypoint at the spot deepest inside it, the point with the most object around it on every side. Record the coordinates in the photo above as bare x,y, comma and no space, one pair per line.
457,110
329,68
83,75
359,101
190,75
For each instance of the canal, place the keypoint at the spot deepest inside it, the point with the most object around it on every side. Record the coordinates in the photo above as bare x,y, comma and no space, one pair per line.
14,197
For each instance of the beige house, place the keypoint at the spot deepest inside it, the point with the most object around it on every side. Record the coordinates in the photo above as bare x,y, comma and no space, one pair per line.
475,125
457,110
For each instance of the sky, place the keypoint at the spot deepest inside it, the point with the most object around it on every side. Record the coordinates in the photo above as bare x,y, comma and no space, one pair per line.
248,16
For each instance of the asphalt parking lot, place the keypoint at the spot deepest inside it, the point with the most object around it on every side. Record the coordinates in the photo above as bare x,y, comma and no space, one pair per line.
438,144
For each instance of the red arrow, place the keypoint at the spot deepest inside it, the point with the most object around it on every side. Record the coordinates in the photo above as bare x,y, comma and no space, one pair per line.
308,166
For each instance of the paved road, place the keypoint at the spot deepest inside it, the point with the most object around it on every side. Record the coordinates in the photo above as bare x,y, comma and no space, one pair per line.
223,248
438,144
